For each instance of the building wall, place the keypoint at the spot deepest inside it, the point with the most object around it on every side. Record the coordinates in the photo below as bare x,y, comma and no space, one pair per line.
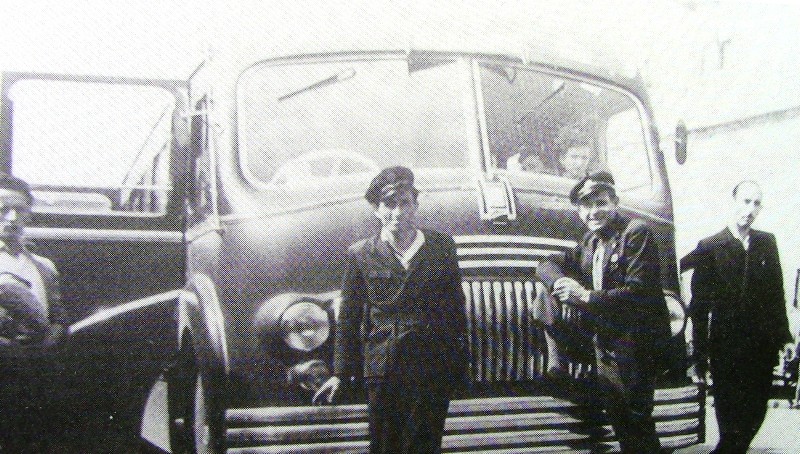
768,153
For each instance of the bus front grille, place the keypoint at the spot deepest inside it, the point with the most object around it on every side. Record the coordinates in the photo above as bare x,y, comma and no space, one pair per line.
501,330
503,304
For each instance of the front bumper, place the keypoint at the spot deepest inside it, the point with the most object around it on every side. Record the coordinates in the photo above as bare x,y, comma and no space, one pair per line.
500,424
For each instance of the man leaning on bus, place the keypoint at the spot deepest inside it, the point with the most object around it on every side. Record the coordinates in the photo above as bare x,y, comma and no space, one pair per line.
30,321
613,280
402,290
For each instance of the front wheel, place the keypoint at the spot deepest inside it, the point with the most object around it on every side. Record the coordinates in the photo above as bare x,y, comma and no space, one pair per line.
206,426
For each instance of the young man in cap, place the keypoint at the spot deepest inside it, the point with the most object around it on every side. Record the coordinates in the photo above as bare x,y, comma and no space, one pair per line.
31,321
613,280
402,290
738,281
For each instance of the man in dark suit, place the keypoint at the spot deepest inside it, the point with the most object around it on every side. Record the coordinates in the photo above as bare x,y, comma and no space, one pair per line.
738,281
401,322
613,280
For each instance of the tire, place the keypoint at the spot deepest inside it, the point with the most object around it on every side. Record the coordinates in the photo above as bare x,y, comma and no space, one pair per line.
205,426
181,376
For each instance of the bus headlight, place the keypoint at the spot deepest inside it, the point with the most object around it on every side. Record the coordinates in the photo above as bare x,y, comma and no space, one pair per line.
677,312
304,326
303,321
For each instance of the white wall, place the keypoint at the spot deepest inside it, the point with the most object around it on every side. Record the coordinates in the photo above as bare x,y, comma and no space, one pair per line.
726,61
769,154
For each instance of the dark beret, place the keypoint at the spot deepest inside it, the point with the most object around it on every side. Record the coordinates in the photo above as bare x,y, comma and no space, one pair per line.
388,182
13,183
591,184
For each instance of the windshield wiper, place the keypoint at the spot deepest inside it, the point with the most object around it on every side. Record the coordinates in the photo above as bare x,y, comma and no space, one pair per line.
509,73
346,74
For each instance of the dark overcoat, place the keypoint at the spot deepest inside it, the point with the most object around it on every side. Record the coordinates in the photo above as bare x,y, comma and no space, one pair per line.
743,298
397,321
742,293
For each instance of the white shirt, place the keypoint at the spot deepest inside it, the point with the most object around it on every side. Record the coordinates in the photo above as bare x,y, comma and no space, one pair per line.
405,256
597,265
23,266
745,240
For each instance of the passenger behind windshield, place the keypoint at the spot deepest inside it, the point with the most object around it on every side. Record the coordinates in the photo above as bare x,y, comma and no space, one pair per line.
574,159
526,159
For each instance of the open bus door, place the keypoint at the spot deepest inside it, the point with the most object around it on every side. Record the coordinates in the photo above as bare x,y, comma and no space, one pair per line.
105,158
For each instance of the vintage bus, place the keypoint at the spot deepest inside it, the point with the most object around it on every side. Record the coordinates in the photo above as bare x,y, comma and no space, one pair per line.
203,225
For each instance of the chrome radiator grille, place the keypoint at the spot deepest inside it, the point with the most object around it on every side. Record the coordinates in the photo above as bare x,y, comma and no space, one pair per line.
502,304
502,337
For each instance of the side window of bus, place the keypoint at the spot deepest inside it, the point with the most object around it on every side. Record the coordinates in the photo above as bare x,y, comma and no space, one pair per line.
627,153
93,148
200,195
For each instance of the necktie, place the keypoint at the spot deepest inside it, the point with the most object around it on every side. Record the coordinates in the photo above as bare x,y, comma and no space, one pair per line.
597,265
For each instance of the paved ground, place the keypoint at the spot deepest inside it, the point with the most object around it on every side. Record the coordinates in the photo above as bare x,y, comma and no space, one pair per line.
779,434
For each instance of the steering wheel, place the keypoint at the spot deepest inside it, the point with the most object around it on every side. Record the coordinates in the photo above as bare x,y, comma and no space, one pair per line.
317,165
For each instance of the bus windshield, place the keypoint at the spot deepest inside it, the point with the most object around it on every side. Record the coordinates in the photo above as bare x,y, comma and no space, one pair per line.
562,128
308,125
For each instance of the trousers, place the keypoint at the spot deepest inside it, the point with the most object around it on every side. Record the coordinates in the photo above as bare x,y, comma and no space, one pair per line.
624,378
742,380
628,388
406,416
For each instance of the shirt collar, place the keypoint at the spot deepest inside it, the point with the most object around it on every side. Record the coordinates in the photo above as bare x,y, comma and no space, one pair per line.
405,256
745,240
387,237
609,231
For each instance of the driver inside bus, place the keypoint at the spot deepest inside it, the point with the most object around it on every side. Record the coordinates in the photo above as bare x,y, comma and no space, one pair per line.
526,161
574,158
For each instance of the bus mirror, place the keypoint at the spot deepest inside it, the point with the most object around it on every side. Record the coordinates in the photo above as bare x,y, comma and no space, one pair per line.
681,138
